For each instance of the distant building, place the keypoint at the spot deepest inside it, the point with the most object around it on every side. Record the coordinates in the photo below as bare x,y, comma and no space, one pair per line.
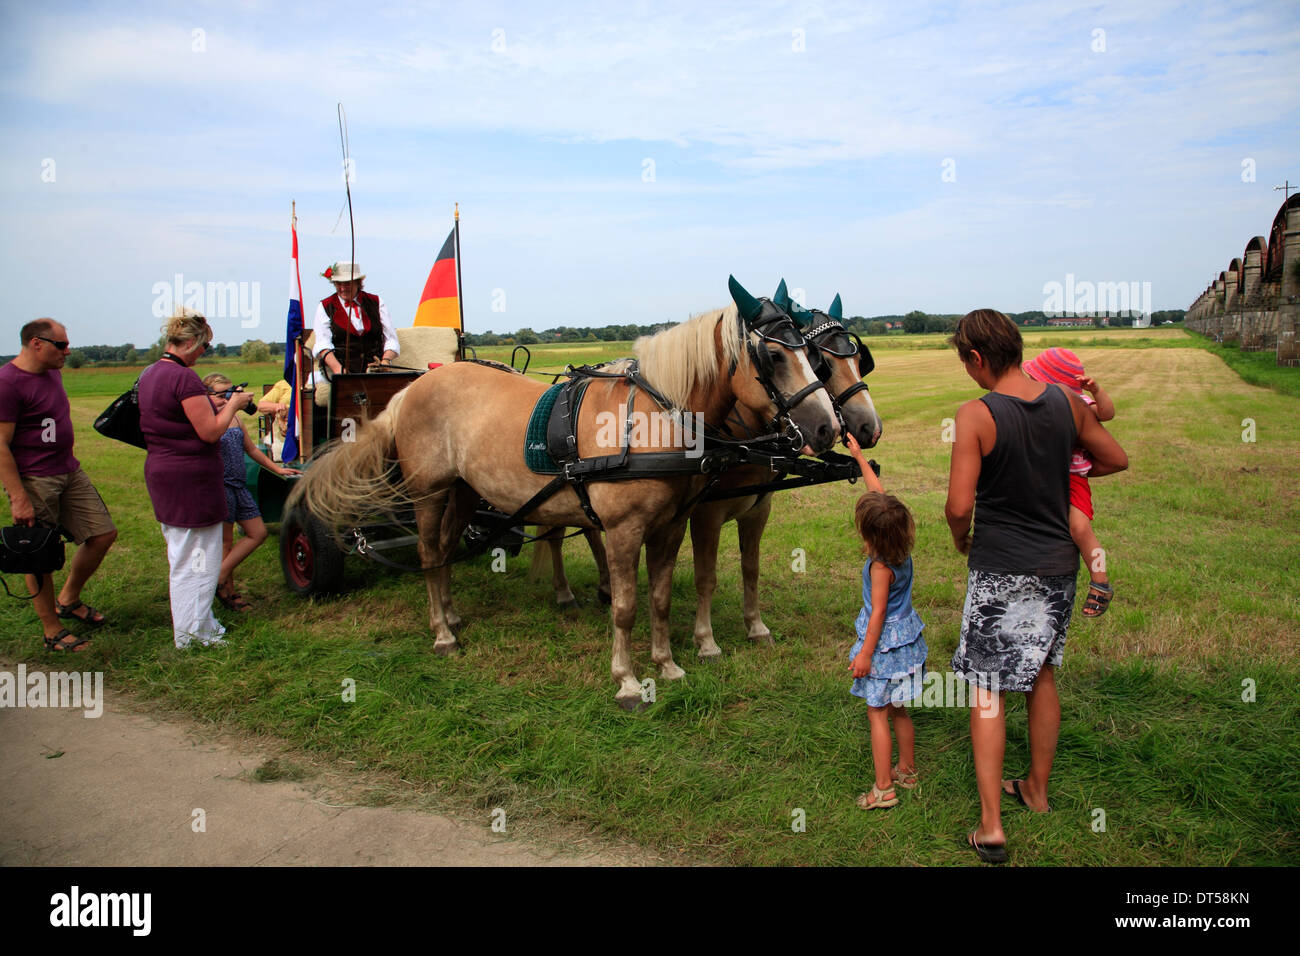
1075,321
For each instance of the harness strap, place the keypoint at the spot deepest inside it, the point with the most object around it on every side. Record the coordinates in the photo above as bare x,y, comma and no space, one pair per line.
844,396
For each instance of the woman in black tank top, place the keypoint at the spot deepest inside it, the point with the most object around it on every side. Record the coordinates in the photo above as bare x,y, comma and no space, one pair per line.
1010,474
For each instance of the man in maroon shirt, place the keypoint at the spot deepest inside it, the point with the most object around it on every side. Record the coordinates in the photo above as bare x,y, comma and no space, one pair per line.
44,481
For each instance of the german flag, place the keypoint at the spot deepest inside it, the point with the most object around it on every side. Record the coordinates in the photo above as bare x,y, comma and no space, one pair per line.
440,301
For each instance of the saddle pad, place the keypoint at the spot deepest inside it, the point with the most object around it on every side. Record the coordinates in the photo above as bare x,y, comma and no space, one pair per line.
536,456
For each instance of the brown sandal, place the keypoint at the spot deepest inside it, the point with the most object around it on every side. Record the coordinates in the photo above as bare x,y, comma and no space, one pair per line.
59,642
1098,600
68,612
232,600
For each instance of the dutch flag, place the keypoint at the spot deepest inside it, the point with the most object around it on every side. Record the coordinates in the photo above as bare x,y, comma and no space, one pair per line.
292,331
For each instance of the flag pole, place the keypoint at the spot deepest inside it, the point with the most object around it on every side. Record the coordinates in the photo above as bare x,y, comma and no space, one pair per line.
295,399
460,292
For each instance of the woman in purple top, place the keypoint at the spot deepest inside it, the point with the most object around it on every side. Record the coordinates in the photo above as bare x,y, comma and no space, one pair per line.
182,470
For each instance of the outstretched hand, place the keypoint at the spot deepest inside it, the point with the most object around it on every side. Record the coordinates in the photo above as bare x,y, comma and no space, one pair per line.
868,473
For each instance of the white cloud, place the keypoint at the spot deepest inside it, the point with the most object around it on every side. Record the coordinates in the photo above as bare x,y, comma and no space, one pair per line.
822,159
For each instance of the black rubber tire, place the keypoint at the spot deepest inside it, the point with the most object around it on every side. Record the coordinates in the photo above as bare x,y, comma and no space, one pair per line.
309,555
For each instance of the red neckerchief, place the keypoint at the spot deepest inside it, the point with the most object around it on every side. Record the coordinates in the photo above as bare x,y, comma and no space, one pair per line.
348,309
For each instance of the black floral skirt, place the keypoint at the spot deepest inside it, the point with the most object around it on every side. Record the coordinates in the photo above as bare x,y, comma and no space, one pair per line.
1011,626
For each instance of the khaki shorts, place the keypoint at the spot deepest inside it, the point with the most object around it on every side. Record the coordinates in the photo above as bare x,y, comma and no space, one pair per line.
70,500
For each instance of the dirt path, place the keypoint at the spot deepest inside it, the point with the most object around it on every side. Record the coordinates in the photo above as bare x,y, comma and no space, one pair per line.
123,790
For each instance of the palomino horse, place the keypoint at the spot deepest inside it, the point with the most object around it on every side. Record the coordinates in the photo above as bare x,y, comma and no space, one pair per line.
842,363
467,423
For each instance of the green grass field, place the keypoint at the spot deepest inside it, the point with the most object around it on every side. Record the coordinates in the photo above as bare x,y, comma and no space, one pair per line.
1180,706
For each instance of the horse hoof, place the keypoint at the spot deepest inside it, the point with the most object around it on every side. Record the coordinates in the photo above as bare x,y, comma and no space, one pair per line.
708,653
762,640
633,705
671,671
605,596
453,619
570,605
447,650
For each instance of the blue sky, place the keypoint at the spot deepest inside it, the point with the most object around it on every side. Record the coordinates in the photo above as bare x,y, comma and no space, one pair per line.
807,141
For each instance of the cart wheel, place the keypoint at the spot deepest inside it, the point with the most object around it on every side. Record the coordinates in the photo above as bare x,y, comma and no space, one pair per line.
309,555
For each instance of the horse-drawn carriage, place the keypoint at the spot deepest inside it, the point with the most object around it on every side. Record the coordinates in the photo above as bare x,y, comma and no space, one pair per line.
334,410
764,393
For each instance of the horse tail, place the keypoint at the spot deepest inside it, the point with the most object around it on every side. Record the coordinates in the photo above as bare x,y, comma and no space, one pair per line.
351,481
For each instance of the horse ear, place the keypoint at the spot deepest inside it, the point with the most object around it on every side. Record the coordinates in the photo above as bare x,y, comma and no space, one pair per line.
749,306
836,310
782,297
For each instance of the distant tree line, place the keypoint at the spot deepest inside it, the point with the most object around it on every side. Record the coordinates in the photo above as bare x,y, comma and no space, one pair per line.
565,333
913,323
254,350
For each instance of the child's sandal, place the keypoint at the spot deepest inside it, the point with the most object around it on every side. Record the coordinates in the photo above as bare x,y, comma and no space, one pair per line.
878,799
1099,596
230,599
907,779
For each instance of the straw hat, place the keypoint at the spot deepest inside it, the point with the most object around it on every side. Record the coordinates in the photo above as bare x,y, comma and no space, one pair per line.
344,272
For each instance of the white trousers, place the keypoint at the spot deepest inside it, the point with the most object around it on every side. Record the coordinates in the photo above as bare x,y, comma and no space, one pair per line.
194,555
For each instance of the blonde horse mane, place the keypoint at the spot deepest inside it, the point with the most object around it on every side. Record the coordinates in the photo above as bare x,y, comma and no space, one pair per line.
677,360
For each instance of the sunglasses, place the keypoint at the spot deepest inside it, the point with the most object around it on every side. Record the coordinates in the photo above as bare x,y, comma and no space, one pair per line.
58,345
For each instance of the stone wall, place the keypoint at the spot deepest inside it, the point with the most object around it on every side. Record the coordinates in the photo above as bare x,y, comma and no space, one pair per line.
1263,312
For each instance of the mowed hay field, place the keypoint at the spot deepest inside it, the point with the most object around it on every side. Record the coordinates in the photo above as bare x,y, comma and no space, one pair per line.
1180,706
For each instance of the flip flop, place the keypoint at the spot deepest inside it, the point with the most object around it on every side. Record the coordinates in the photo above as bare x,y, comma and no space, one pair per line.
987,852
93,618
1015,792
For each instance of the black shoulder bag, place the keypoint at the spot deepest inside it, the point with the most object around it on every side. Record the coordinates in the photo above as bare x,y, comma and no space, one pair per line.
33,549
121,420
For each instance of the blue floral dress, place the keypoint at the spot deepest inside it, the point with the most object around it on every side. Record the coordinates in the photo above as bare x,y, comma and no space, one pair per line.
898,664
240,504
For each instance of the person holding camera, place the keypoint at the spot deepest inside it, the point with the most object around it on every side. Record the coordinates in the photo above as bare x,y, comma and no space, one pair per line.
44,480
182,430
241,507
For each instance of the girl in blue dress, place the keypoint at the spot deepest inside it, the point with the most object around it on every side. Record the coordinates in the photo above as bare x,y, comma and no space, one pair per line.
889,655
241,507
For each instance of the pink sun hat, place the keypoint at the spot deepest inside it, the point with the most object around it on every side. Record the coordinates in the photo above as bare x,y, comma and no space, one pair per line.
1056,365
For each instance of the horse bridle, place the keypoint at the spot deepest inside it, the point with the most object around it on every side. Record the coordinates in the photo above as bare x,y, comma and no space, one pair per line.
831,338
774,324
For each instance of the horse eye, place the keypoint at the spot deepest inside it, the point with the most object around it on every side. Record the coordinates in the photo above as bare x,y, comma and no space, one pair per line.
778,356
